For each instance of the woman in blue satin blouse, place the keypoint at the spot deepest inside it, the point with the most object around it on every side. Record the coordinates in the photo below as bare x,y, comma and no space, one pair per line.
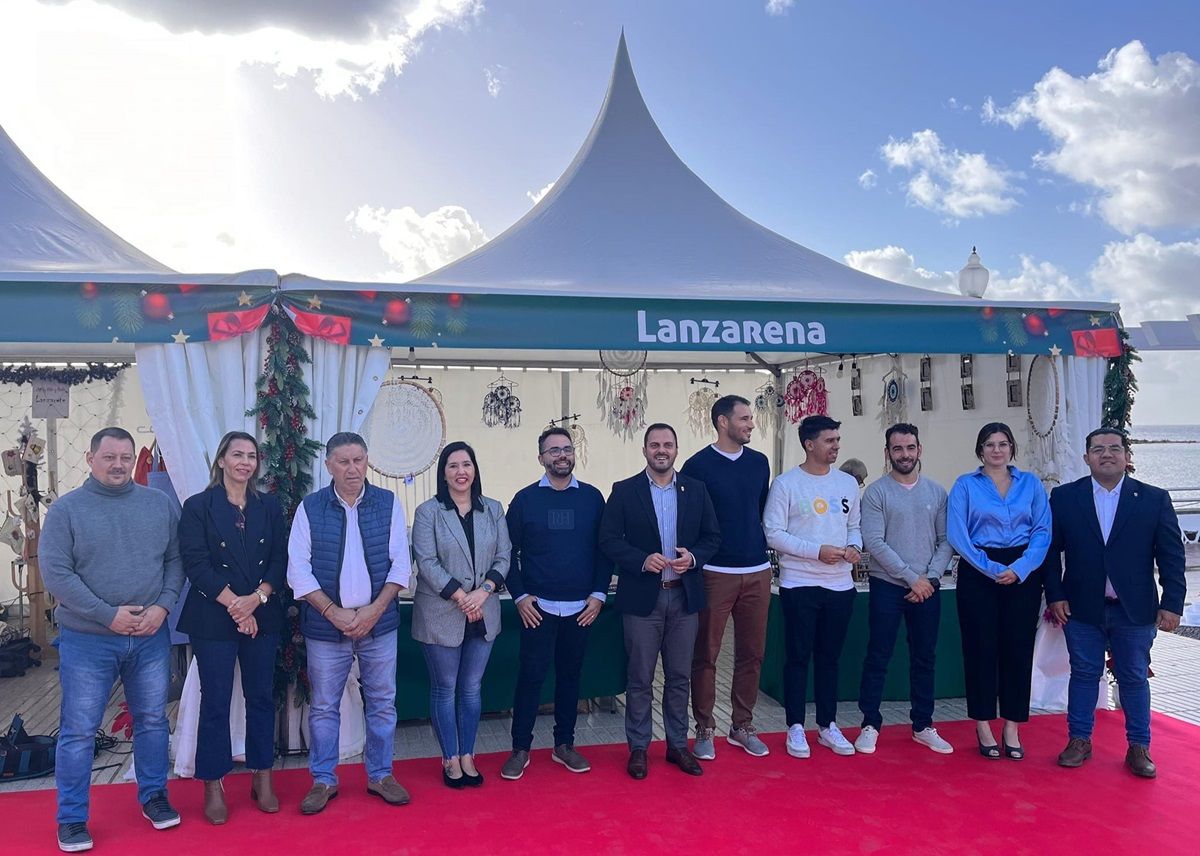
998,520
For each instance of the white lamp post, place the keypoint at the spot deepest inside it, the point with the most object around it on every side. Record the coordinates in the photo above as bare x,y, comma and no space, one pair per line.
973,279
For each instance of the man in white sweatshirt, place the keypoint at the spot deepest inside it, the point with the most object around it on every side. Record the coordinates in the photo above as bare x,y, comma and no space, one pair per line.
812,522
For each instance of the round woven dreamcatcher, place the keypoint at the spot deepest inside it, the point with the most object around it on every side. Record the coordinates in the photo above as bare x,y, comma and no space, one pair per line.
893,403
768,406
622,394
405,430
1044,409
805,395
501,405
699,409
580,442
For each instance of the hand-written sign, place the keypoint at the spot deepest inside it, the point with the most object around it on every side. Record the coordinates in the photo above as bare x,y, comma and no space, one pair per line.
51,399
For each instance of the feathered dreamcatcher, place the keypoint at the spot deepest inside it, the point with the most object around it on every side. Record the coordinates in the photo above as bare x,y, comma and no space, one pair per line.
699,409
501,405
893,404
805,395
622,394
768,406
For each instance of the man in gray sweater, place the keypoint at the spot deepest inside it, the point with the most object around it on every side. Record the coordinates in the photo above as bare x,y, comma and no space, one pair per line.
904,531
110,556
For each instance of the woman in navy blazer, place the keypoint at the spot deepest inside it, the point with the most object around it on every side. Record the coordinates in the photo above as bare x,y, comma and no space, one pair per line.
234,550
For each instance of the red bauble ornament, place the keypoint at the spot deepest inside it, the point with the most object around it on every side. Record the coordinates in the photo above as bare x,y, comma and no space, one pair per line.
396,311
369,295
89,290
1055,312
1035,325
187,287
156,306
455,300
987,312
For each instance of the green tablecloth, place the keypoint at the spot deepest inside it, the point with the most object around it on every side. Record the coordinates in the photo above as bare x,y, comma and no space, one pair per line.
603,664
948,680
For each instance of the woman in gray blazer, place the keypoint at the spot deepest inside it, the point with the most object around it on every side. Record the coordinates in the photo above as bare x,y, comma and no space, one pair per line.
461,543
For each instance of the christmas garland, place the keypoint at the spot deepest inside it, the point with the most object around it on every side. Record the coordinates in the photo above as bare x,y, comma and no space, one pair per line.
70,375
281,409
1120,386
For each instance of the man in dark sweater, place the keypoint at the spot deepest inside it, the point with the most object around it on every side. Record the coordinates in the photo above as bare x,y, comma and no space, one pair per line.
737,580
558,579
110,556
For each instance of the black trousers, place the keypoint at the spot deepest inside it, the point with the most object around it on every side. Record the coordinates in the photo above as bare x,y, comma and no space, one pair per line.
815,621
998,625
557,641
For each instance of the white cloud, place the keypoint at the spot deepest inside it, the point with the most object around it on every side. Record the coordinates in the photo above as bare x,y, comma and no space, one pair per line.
958,184
867,180
1152,281
898,265
493,81
1131,130
535,196
417,244
1036,281
779,7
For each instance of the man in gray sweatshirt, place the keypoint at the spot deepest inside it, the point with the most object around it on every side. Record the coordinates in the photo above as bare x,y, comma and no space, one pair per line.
904,531
110,556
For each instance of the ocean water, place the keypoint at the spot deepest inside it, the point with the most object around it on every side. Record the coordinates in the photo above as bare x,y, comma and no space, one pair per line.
1167,464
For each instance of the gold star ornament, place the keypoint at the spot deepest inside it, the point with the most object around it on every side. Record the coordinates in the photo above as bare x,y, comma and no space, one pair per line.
314,302
243,299
376,341
180,337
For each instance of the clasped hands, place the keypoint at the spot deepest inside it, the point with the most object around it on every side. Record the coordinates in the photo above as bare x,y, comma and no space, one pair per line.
471,603
831,555
656,563
137,620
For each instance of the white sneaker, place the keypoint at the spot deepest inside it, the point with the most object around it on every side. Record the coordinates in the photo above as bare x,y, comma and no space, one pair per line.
929,737
866,740
797,743
835,740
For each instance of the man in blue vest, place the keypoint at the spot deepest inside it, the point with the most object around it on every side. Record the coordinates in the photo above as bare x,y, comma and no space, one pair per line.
348,558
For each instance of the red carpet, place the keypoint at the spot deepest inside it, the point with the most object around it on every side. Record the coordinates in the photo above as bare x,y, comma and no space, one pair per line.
904,799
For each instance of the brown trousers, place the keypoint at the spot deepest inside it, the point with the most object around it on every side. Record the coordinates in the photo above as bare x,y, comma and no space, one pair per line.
746,597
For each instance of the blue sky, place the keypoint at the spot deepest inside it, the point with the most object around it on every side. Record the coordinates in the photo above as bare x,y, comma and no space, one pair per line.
382,138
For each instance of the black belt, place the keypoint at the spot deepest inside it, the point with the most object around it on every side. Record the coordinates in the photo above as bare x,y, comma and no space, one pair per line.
670,584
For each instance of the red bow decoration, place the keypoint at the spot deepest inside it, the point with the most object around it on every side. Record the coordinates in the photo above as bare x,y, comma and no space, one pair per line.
1096,343
332,328
229,325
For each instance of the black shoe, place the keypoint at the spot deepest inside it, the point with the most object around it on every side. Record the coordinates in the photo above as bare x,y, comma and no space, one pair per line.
1016,753
159,812
684,760
992,751
451,782
74,837
472,781
638,765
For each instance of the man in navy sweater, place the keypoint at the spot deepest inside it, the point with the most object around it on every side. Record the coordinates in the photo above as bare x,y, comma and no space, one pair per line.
558,579
737,579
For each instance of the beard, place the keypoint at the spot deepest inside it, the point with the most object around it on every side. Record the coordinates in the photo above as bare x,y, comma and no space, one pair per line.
661,466
562,466
904,467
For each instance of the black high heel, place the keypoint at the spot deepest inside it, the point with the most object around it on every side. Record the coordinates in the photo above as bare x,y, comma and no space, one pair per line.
1016,753
451,782
472,781
992,752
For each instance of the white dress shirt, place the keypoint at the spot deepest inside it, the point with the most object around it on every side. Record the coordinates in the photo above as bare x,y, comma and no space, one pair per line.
354,582
1106,502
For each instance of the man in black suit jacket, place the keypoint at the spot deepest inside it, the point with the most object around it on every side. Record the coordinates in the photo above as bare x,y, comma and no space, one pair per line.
659,527
1113,530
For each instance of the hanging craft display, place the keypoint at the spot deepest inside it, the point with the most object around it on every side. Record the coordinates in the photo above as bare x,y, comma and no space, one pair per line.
768,405
501,407
805,395
11,533
622,394
699,409
405,430
1045,411
893,404
580,442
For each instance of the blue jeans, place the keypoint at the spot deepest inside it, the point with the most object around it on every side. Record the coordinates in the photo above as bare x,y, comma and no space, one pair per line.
328,668
887,606
89,665
455,676
1130,643
214,661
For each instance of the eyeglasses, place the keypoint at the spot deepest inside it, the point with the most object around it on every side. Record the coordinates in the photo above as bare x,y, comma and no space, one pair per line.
559,451
1117,449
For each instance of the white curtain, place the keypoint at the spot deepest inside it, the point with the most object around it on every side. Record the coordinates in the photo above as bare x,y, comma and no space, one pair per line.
1083,392
343,382
195,393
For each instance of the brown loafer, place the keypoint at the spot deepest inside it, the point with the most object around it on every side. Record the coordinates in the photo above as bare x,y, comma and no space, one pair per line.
638,764
389,790
262,792
684,760
1078,750
317,798
1137,759
214,802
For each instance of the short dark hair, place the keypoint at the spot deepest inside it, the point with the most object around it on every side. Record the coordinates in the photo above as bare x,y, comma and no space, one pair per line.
812,426
995,428
113,432
216,475
1116,432
658,426
550,432
343,438
724,405
443,486
900,428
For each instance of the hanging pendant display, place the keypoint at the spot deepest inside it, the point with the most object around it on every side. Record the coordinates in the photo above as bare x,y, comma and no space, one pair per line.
805,395
622,393
501,407
893,404
699,409
580,442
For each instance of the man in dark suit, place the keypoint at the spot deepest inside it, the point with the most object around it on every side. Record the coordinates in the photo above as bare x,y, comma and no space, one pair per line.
659,527
1113,530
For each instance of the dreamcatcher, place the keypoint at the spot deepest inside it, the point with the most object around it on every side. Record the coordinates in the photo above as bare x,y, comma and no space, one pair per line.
699,409
768,406
405,430
805,395
622,395
579,439
1044,409
501,405
893,404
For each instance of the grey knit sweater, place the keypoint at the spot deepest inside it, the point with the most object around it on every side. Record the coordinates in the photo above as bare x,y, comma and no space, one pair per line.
105,547
904,530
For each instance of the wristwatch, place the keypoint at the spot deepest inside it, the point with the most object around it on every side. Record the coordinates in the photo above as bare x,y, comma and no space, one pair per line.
488,586
262,598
